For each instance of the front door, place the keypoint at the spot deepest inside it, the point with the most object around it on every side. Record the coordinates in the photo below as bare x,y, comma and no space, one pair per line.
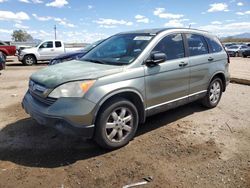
167,84
46,50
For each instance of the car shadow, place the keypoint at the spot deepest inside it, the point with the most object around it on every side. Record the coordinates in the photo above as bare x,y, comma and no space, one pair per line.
29,144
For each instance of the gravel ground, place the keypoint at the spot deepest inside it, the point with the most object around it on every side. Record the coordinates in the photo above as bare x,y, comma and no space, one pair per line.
186,147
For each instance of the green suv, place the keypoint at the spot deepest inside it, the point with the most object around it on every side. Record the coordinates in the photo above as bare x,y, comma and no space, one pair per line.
125,79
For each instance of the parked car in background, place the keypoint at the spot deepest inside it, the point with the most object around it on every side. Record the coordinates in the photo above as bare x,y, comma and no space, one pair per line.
2,61
126,78
236,50
44,51
7,50
227,45
73,55
246,52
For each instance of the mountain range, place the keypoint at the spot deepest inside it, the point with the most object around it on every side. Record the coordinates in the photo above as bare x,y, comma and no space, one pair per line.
242,35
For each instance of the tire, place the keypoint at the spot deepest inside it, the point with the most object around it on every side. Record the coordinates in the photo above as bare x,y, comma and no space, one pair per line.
116,124
4,56
244,56
213,96
29,60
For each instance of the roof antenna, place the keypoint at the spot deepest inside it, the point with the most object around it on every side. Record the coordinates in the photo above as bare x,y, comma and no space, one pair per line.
189,26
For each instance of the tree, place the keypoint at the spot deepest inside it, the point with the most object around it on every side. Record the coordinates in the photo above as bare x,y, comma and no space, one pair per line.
21,36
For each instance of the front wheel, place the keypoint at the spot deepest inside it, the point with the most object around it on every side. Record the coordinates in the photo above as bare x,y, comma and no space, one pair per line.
116,123
214,93
29,60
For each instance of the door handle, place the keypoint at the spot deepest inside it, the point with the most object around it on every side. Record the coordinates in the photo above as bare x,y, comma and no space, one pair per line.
52,50
210,59
183,64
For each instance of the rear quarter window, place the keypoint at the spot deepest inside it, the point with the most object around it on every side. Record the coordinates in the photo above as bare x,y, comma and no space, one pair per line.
214,46
58,44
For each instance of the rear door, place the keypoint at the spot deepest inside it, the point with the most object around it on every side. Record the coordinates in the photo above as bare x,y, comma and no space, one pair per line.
167,83
199,61
59,48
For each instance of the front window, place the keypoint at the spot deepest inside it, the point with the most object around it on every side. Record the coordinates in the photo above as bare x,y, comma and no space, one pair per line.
172,46
48,44
120,49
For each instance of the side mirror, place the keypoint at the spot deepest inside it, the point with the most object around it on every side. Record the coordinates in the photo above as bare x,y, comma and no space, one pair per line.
156,58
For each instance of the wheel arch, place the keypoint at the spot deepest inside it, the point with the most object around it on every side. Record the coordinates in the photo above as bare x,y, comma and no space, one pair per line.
222,76
31,55
133,96
4,52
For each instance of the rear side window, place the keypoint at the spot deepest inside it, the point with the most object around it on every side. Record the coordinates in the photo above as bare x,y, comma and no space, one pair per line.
214,46
172,46
58,44
196,45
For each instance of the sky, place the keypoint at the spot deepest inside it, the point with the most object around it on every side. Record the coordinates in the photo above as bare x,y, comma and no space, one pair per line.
89,20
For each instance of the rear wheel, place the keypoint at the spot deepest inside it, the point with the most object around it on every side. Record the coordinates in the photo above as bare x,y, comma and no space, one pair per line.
214,93
116,124
29,60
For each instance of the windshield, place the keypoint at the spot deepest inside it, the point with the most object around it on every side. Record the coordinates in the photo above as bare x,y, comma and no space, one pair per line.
233,47
120,49
91,46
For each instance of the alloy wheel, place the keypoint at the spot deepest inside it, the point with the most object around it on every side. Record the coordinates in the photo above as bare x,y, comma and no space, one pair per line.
215,92
119,124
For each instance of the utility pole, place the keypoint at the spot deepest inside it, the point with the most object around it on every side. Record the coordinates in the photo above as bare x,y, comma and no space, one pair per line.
55,31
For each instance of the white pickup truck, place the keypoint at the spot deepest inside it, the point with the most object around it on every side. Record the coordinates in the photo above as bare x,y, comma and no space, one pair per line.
44,51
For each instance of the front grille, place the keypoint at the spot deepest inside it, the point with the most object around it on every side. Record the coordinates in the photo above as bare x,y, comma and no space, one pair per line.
48,101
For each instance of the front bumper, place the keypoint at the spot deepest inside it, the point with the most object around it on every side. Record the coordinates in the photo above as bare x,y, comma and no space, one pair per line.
68,115
20,57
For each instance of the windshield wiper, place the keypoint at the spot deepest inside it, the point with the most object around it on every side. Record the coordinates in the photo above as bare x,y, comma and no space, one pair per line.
94,61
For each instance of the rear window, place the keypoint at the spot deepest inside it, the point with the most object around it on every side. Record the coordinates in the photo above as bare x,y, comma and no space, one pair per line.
196,45
214,46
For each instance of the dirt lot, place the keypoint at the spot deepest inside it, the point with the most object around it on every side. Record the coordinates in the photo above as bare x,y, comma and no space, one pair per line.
186,147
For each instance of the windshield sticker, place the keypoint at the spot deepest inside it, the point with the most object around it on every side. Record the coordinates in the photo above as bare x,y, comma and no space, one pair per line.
143,38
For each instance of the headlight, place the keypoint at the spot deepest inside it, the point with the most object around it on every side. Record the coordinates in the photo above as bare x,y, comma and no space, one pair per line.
72,89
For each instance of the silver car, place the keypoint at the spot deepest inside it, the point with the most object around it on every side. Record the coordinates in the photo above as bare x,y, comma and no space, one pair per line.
127,78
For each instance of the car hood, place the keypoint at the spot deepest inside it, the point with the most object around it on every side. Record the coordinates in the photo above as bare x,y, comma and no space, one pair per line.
70,54
29,50
58,74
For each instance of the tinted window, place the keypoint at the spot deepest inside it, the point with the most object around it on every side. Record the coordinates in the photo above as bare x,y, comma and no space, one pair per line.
172,46
48,44
233,47
196,45
58,44
244,47
119,49
214,45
